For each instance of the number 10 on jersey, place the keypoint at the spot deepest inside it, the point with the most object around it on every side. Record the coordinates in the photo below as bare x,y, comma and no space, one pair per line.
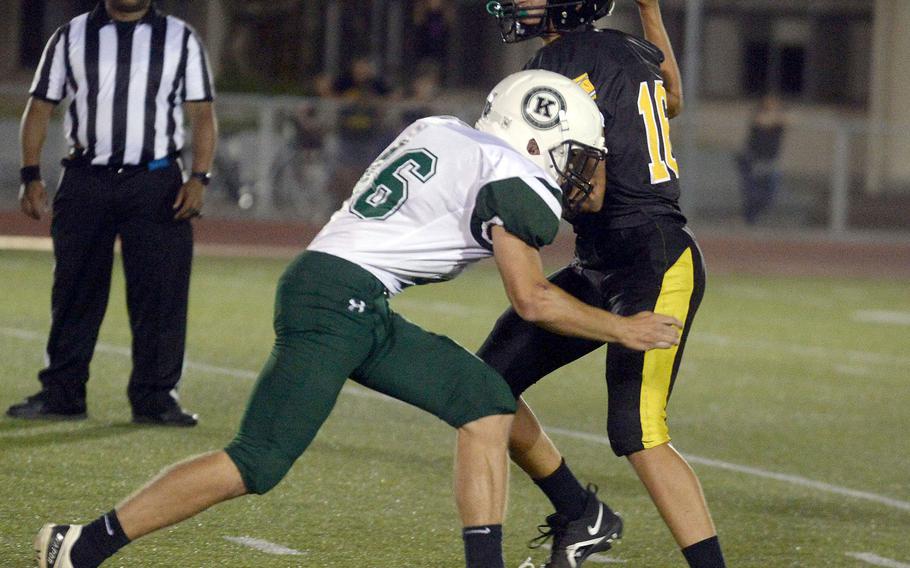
653,109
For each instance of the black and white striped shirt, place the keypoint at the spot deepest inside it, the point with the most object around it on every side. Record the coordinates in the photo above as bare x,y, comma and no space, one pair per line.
125,82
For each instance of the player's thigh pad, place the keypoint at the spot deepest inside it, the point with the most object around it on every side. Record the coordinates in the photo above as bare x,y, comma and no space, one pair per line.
434,373
639,384
319,342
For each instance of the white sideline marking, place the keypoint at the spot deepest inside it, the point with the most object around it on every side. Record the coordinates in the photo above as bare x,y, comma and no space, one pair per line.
882,316
26,243
585,436
63,427
264,546
854,370
792,479
854,357
877,560
756,344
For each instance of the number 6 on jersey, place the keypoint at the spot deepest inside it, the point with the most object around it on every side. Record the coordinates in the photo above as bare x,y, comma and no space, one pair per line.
389,189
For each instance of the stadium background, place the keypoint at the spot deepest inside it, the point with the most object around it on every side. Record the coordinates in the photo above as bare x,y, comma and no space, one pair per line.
801,365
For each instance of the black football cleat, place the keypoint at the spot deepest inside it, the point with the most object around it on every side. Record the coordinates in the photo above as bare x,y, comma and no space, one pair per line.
40,407
574,541
54,543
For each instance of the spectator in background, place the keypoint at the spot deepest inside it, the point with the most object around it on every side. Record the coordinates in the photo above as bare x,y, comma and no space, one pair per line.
360,124
759,163
423,90
360,81
433,21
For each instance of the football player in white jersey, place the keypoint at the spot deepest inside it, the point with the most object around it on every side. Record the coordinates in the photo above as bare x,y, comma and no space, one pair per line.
441,196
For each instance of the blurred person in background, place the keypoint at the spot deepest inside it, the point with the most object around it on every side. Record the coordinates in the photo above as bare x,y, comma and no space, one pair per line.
300,167
130,73
759,161
423,91
361,81
359,128
636,253
433,21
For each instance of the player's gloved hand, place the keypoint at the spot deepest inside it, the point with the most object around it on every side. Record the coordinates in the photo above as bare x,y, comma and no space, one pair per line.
33,198
647,330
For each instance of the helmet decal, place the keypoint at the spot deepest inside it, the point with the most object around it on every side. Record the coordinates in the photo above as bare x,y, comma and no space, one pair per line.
541,107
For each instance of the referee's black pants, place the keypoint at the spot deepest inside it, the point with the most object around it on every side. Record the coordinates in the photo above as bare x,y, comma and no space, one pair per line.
93,205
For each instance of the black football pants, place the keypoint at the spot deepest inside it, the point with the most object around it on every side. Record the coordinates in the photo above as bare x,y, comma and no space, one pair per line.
93,205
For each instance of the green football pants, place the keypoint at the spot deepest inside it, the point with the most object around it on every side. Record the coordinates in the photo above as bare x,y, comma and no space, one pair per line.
333,321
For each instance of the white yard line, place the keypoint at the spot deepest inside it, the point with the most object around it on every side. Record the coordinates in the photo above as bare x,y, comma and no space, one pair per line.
853,370
756,344
882,316
61,427
584,436
264,546
43,244
756,472
876,560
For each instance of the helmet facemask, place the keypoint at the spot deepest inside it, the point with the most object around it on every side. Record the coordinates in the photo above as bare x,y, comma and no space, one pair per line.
575,176
518,23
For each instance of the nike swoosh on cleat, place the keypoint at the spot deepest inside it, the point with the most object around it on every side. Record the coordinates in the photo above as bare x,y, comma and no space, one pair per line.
600,516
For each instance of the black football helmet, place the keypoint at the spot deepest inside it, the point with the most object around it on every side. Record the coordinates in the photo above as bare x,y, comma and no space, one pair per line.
518,23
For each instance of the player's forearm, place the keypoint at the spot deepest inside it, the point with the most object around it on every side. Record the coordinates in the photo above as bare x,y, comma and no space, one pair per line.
556,311
33,130
653,24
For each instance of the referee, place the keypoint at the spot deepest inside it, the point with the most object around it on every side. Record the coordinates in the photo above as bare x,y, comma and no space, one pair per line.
130,73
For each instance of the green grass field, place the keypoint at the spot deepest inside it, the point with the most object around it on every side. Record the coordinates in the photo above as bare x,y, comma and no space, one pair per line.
793,404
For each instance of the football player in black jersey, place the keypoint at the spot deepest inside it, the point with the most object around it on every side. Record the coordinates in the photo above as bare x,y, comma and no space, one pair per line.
634,254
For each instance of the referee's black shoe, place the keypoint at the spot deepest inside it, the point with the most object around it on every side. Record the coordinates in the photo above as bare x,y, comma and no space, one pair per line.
173,416
43,406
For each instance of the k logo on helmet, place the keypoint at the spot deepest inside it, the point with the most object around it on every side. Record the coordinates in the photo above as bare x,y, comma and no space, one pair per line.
541,107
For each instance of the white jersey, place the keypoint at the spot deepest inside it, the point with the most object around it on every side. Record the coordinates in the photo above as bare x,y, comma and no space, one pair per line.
423,209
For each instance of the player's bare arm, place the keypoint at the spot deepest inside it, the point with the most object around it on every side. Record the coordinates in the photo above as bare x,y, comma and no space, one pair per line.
653,24
32,134
536,300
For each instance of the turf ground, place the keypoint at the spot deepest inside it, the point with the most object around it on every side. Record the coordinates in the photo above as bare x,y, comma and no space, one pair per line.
793,405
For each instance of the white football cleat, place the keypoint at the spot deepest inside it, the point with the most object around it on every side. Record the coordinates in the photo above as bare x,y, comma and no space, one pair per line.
53,545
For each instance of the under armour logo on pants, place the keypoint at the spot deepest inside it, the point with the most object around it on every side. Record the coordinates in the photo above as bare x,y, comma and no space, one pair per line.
356,306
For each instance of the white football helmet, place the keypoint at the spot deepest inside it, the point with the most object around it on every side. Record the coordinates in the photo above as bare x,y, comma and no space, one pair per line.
550,120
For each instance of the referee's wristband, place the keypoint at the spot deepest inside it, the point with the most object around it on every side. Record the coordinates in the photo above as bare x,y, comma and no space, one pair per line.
28,174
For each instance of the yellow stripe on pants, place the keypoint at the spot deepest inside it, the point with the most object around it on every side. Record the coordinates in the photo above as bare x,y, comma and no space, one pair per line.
675,294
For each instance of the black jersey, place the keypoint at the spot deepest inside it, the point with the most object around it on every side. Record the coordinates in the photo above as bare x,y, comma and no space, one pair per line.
622,73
